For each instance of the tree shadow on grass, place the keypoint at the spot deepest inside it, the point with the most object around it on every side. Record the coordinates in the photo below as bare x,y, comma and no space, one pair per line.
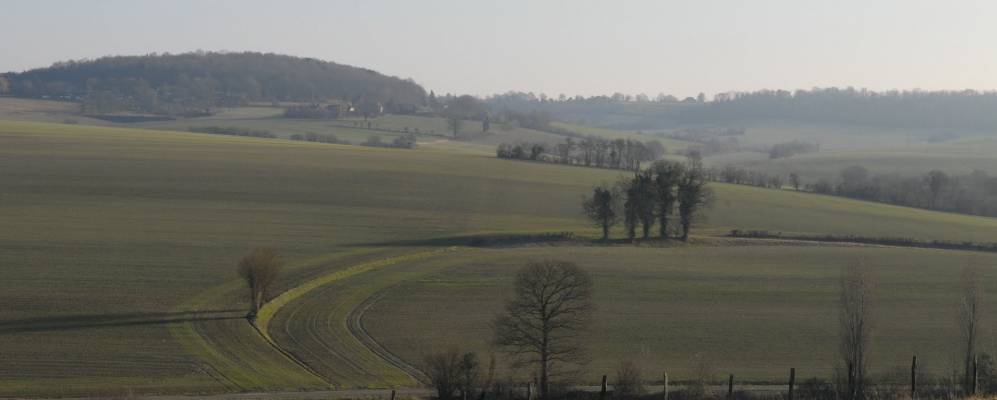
91,321
524,239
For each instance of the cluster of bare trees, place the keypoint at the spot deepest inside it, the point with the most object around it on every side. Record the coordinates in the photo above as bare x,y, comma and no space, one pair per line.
590,151
651,196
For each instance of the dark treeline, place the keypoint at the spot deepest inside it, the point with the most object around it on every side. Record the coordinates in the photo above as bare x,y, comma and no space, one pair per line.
895,109
233,131
179,84
589,151
974,193
966,109
792,148
886,241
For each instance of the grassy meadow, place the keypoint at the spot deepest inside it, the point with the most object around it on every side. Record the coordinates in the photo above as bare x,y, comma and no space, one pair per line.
119,250
752,310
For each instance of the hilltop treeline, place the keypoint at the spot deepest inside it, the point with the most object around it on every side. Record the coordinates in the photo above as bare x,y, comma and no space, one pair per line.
966,109
186,83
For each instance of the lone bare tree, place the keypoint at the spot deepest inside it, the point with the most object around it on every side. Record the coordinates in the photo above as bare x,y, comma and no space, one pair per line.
259,269
601,209
969,321
543,322
855,320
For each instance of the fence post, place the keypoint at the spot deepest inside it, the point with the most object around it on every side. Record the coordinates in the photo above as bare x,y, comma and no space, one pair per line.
730,387
392,394
602,393
792,381
913,379
529,391
666,386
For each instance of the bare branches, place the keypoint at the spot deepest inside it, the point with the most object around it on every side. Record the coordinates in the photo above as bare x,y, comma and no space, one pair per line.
855,319
541,324
259,269
970,312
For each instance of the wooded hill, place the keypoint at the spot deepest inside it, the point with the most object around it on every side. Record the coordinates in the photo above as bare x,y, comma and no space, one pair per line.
193,83
941,110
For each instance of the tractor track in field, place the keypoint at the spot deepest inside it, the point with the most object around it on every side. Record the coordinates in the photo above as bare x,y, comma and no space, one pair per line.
354,322
317,326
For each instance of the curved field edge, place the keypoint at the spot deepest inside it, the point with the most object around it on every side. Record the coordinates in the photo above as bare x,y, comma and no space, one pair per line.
237,355
314,322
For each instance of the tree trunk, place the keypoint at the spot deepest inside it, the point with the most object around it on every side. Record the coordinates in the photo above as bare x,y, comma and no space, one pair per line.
543,376
605,231
663,222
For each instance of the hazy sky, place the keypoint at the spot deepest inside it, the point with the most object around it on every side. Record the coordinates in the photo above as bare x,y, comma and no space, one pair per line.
571,47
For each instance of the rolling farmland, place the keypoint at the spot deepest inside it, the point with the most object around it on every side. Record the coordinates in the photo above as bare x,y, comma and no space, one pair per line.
119,248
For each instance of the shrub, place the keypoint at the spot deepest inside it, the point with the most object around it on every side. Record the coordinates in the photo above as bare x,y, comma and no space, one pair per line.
628,384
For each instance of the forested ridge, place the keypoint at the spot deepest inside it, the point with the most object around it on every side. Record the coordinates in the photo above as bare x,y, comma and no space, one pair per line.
943,110
192,83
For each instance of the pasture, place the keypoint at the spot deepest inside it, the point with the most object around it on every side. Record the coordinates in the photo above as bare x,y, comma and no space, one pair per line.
751,310
118,247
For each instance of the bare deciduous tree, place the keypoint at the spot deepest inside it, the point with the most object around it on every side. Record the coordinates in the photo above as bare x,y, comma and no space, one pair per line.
259,269
693,196
601,209
666,178
542,323
969,320
444,372
855,320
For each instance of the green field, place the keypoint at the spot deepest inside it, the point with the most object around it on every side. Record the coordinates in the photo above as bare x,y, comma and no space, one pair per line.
118,247
904,152
751,310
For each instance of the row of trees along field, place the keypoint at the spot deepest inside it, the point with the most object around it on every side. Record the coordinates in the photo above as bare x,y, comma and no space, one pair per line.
974,193
589,151
552,307
651,196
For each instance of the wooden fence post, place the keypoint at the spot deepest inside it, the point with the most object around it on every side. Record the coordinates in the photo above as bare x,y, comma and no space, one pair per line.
730,387
602,393
666,386
529,391
392,394
792,381
913,379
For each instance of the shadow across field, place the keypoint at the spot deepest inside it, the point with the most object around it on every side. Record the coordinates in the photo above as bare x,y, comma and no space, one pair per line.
533,239
486,240
90,321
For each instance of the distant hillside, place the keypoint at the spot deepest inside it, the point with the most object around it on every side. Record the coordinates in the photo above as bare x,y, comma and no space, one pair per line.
943,111
195,82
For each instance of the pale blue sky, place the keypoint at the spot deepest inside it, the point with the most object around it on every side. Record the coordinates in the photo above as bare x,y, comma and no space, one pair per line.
571,47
